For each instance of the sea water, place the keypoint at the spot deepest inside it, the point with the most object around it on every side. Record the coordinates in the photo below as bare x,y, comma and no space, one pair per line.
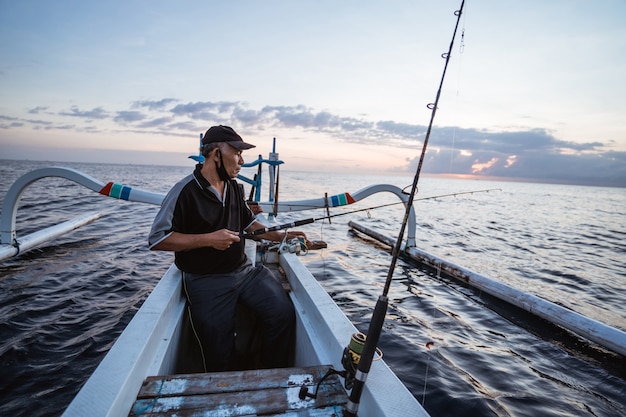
63,305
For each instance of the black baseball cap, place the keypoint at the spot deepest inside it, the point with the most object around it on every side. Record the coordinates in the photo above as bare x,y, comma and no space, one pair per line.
225,134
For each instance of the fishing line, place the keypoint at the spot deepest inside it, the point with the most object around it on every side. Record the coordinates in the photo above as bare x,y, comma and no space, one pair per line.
310,220
426,379
378,317
458,87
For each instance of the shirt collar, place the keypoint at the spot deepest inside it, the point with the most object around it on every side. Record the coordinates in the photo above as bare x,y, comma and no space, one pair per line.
206,185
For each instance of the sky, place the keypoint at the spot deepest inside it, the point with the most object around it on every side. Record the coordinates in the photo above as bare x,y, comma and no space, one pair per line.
534,90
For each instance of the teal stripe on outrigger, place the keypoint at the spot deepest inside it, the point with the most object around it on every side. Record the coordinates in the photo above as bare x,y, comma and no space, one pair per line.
120,191
116,190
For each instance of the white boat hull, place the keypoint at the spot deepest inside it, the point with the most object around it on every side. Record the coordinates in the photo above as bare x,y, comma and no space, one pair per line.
151,341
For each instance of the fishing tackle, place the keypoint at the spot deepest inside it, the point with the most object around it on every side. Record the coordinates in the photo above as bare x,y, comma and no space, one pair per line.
378,317
350,361
352,356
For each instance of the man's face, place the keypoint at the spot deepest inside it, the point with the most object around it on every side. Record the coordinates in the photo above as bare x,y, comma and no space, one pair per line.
232,160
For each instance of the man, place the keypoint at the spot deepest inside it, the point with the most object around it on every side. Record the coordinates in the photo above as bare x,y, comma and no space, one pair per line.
201,219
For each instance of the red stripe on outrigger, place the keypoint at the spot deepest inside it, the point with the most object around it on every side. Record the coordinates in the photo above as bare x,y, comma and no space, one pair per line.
106,190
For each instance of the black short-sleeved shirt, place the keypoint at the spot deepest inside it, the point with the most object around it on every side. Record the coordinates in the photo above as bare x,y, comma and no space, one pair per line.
193,207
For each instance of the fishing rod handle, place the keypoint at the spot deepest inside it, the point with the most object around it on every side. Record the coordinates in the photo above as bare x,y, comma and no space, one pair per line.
279,227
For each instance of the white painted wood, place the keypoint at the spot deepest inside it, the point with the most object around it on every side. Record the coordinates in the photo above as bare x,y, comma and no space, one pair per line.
37,238
10,245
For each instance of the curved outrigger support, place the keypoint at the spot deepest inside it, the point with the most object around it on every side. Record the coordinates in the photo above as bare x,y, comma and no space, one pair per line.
346,199
10,245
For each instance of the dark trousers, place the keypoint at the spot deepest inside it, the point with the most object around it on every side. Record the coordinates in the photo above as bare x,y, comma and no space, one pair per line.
213,300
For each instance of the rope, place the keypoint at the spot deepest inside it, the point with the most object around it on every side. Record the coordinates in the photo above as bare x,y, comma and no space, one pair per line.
151,404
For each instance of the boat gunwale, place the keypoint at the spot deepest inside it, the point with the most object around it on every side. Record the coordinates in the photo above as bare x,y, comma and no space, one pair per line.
147,346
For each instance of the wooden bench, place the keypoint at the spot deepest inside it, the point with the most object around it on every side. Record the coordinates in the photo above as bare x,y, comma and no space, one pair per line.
272,392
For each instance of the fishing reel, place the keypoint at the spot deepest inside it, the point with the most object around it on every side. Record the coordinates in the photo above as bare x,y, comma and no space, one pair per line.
350,360
296,245
352,355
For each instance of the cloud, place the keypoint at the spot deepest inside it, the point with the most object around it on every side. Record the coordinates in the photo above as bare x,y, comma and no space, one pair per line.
39,122
126,116
96,113
510,142
60,127
158,122
154,104
306,118
193,110
548,160
14,122
533,154
37,110
185,126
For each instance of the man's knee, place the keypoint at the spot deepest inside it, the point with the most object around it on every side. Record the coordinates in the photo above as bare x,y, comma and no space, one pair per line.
284,312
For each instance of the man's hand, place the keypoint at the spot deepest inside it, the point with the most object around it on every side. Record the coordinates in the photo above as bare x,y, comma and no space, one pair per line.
223,238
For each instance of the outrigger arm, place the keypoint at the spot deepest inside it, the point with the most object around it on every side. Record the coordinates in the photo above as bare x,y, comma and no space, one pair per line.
11,245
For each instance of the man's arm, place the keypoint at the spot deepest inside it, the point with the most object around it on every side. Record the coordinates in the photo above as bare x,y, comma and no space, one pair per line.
178,242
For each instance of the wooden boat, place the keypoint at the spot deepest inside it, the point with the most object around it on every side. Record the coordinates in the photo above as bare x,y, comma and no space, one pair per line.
156,338
152,341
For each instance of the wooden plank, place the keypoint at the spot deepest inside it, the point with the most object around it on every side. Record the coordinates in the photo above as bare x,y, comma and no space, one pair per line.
331,411
243,403
215,382
253,392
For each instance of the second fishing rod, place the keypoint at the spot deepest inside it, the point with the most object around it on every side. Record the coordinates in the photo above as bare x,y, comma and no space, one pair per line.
301,222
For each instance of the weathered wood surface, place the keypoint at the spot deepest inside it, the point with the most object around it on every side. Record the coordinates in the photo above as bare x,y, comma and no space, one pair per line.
268,392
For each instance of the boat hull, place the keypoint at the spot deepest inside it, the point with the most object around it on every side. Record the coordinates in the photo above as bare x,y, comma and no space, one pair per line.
151,343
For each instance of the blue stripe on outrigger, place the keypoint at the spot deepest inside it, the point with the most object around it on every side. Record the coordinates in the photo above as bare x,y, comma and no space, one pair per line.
125,193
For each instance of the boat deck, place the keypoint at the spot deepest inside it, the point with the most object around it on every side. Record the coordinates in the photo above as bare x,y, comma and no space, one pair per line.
271,392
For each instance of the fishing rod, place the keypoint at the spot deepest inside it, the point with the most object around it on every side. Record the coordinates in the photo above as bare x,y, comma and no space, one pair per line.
310,220
378,317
